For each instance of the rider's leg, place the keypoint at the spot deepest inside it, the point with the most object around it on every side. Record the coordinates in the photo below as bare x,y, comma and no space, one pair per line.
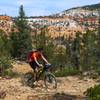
33,66
36,71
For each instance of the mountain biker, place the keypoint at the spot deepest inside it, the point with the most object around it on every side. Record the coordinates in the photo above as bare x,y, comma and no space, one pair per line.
34,57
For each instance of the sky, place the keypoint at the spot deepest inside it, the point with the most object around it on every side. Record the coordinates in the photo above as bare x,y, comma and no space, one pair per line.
40,7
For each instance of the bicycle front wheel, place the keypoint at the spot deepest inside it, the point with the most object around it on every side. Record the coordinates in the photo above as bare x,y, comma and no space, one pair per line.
50,81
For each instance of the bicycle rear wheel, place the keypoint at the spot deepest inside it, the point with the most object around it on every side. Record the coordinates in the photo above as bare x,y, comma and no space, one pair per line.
50,81
28,79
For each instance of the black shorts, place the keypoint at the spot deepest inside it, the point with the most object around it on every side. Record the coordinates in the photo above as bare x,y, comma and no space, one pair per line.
33,65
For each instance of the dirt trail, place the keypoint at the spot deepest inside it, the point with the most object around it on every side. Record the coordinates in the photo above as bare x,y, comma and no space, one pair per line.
69,88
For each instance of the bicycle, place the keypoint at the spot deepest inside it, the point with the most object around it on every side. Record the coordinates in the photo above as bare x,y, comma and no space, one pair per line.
44,73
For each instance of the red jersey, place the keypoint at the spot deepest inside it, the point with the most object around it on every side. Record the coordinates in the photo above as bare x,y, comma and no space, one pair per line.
34,55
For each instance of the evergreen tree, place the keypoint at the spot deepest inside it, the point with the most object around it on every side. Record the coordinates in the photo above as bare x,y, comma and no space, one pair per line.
21,40
88,50
98,42
5,47
60,56
76,51
68,43
69,52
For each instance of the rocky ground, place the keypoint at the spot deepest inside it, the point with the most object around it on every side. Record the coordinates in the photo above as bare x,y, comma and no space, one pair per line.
69,88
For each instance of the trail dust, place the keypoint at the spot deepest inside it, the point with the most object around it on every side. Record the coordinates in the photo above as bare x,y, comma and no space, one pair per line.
69,88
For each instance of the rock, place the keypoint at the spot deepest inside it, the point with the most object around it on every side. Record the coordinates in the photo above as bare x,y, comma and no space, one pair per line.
0,78
2,94
32,97
18,97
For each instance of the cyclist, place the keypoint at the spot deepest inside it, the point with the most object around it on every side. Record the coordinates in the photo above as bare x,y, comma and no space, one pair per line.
33,58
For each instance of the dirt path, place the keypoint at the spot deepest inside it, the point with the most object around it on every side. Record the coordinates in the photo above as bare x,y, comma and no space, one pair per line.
69,88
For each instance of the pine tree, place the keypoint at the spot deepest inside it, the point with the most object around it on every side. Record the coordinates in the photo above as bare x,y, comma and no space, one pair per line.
88,50
68,43
5,47
60,56
76,51
21,40
98,42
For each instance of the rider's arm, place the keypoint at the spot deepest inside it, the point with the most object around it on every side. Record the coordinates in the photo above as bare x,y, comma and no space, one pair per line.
36,60
44,59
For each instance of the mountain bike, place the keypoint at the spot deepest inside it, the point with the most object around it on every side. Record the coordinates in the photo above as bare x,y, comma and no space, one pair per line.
44,74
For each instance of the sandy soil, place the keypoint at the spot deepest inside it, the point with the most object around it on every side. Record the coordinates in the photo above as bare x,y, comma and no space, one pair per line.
69,88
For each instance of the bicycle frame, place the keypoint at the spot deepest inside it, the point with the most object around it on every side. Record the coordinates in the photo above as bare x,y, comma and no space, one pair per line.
45,70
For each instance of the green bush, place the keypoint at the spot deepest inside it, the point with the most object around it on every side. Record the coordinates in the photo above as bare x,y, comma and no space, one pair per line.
66,72
10,73
5,63
98,71
93,93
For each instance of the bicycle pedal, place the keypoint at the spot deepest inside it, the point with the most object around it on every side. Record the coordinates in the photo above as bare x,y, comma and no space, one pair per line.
32,86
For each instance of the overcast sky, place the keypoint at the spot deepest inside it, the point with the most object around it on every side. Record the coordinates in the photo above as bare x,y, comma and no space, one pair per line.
40,7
